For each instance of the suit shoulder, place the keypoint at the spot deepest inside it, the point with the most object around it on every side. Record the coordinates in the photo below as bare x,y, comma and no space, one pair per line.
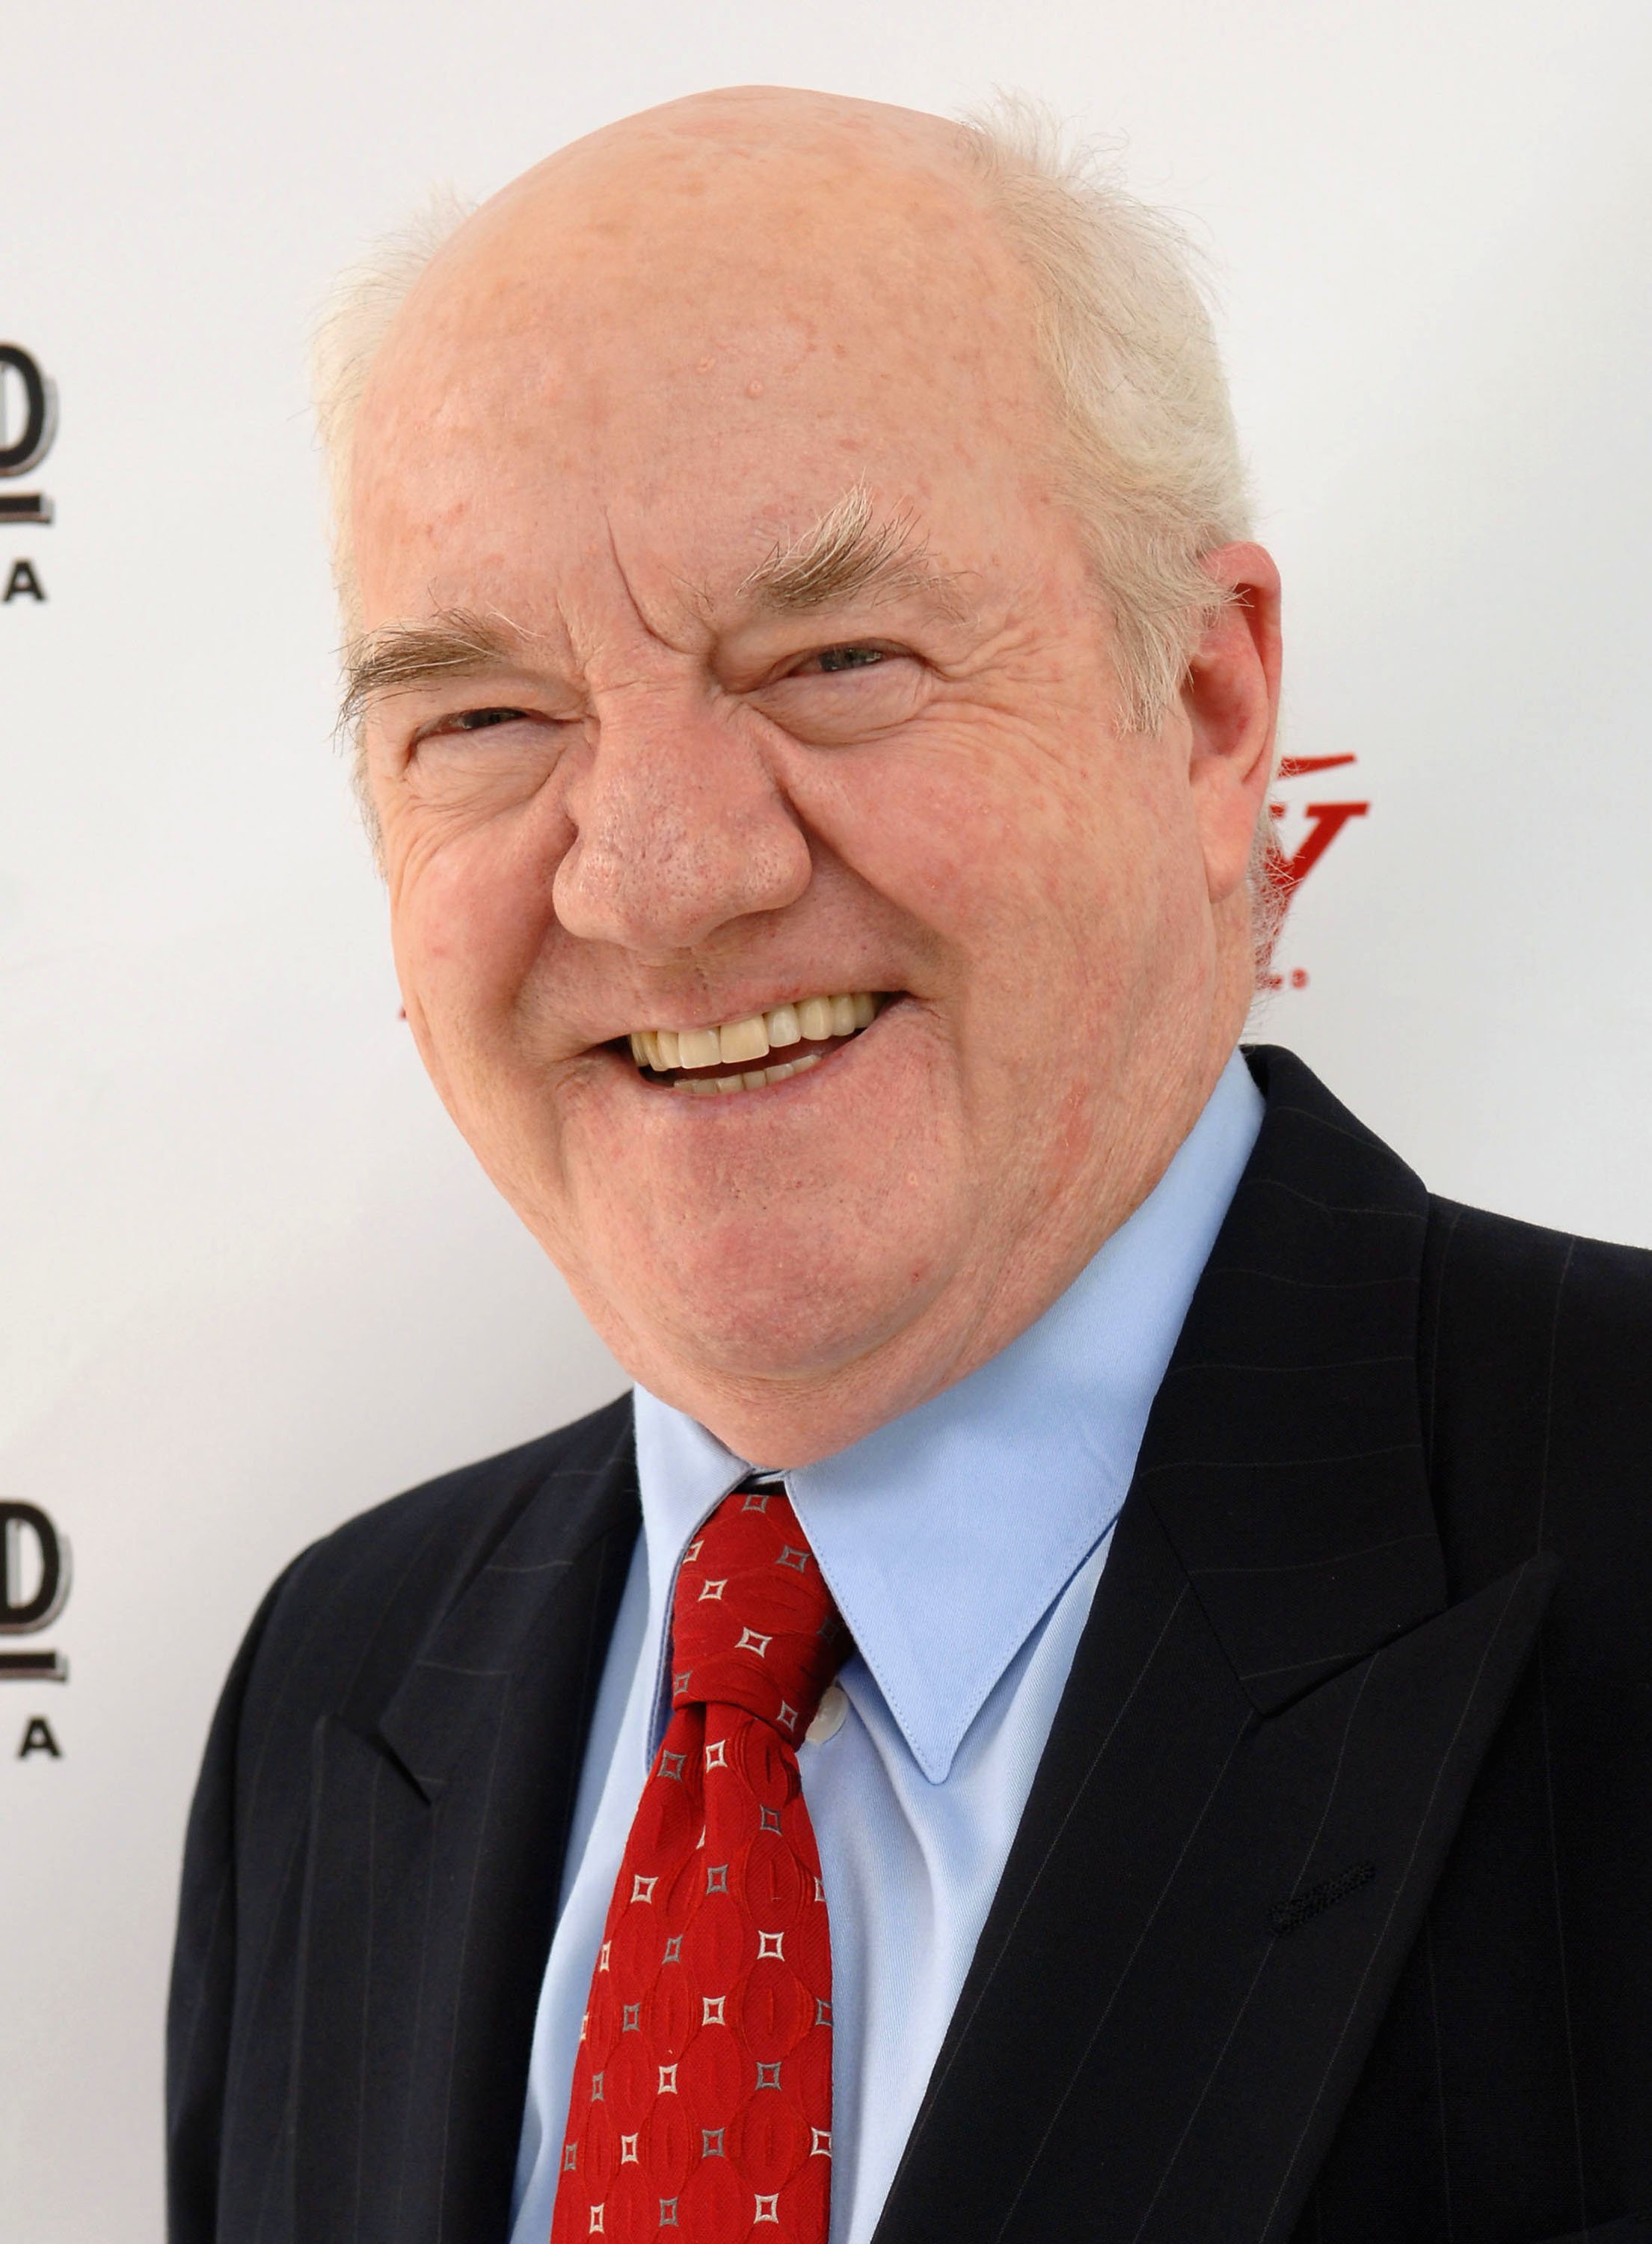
351,1611
1520,1281
1534,1355
454,1506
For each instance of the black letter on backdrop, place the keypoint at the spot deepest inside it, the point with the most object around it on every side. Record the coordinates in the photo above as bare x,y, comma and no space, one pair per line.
37,1738
19,1615
23,579
39,414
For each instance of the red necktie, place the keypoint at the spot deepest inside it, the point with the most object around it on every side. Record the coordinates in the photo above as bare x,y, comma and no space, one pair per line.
702,2096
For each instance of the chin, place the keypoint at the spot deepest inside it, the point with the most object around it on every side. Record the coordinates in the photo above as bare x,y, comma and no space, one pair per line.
802,1310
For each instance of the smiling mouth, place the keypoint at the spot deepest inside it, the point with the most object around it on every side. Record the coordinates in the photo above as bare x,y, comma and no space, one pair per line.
737,1055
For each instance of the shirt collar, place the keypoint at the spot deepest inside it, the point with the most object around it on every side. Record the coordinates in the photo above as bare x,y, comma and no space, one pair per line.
946,1534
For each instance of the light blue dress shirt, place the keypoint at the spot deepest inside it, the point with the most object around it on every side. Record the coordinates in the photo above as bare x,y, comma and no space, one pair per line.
963,1542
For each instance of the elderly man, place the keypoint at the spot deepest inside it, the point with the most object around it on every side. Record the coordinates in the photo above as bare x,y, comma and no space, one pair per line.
1098,1687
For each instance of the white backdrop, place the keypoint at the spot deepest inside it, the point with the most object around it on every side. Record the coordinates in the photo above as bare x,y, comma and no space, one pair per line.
251,1281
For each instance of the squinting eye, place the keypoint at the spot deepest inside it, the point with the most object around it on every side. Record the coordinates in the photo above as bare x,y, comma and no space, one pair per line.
478,721
849,658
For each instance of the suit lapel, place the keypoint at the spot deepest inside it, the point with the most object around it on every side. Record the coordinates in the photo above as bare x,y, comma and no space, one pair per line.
435,1850
1271,1728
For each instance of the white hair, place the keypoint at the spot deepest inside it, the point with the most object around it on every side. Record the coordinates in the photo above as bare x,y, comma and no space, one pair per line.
1150,458
364,301
1147,455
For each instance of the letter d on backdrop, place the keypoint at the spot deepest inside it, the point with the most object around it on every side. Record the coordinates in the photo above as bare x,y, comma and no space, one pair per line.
23,1611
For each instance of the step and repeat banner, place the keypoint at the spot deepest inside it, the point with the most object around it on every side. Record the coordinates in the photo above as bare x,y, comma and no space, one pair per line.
251,1280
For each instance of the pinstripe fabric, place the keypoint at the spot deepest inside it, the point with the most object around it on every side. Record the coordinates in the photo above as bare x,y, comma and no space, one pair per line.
1370,1661
1537,1408
375,1844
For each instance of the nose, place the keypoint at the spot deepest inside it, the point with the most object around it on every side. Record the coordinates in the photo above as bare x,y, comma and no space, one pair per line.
680,827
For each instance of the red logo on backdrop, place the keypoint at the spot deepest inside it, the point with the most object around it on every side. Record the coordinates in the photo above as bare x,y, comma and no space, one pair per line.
1325,821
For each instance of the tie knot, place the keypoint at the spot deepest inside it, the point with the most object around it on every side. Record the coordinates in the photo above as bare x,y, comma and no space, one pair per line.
753,1624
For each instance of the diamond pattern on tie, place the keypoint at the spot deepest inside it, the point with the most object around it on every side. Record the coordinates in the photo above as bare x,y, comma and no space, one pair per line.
702,2091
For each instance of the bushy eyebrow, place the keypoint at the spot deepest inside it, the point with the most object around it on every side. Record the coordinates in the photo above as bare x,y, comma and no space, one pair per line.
453,644
848,554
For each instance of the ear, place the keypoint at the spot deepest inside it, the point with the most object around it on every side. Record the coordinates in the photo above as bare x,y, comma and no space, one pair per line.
1230,700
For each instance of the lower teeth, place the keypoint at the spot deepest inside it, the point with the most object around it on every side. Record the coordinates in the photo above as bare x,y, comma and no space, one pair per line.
711,1087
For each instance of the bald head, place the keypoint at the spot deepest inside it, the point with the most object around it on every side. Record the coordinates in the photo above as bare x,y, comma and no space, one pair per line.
719,150
668,296
690,206
866,226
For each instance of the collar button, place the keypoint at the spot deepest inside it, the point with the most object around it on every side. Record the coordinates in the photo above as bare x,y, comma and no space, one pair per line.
828,1720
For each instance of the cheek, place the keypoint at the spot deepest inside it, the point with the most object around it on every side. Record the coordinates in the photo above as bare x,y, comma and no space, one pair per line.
1011,851
926,832
471,913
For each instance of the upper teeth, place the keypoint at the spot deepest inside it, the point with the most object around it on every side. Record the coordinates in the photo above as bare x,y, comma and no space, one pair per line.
811,1021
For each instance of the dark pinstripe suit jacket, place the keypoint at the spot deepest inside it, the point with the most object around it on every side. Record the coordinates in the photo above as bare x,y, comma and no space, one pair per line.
1330,1913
